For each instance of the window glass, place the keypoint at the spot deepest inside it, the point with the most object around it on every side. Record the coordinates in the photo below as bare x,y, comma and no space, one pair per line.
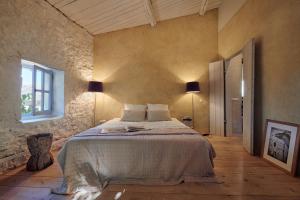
38,80
46,101
47,82
26,90
38,101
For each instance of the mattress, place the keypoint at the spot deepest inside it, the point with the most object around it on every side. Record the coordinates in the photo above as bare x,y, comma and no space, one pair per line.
167,153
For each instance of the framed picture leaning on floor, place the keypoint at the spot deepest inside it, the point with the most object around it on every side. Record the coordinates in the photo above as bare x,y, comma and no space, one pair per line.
282,145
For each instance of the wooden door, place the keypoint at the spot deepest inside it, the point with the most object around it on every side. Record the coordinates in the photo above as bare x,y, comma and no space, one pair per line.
216,97
233,96
248,105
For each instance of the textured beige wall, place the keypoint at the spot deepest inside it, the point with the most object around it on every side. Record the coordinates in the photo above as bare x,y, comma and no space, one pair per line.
275,25
152,65
33,30
227,10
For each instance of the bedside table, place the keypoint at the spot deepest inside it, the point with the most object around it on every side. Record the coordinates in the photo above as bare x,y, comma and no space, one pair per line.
188,121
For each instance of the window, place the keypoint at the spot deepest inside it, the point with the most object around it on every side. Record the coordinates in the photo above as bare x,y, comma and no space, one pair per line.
42,91
37,90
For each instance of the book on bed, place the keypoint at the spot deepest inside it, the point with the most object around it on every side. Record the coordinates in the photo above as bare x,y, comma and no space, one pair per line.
124,129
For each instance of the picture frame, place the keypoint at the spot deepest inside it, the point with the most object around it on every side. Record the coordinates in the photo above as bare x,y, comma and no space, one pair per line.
282,145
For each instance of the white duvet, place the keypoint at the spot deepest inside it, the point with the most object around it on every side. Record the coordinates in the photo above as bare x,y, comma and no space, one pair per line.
169,153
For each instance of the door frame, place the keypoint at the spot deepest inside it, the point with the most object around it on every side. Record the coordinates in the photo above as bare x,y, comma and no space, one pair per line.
249,142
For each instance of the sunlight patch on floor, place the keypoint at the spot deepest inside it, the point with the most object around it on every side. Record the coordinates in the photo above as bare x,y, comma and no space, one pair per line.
119,194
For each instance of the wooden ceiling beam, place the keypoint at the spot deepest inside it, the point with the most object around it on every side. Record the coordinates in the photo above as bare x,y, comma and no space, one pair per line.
149,12
99,16
203,7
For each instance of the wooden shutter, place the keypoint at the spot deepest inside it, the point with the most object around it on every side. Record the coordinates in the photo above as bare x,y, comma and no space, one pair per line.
216,97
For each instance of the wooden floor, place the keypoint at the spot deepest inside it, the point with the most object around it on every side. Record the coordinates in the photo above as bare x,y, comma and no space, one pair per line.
241,177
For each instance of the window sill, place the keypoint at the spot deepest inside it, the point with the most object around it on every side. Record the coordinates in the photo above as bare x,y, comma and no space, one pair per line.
40,119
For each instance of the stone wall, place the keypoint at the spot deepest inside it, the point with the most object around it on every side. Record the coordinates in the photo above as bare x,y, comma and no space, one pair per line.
33,30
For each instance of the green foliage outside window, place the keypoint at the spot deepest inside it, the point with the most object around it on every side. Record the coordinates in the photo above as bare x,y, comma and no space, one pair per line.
25,99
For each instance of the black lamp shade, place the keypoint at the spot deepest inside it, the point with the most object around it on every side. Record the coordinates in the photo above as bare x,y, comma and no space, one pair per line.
192,86
95,86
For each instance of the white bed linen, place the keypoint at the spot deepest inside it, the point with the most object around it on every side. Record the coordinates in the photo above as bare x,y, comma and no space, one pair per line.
91,161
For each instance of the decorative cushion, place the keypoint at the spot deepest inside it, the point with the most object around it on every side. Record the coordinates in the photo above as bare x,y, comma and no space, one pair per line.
157,107
158,115
133,115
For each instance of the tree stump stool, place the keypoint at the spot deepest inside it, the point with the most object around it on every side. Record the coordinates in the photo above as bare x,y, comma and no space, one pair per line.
39,147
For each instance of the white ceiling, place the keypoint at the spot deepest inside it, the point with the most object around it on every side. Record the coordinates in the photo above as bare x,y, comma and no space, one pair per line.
101,16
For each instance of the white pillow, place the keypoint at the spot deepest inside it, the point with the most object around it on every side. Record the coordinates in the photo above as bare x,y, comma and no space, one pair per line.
135,107
133,115
158,115
158,107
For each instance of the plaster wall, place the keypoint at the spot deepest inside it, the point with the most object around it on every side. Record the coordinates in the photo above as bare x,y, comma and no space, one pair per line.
275,26
152,64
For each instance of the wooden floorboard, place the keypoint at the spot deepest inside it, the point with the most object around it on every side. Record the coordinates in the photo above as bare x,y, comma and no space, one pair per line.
239,177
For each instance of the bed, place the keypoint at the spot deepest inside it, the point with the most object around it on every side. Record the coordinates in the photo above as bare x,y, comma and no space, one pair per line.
166,153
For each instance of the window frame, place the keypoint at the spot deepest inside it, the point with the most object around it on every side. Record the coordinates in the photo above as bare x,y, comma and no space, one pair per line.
42,91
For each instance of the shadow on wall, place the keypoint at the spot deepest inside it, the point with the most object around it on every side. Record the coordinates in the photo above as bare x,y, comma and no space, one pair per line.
258,101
